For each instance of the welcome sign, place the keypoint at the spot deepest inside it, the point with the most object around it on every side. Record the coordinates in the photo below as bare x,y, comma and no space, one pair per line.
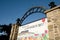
37,30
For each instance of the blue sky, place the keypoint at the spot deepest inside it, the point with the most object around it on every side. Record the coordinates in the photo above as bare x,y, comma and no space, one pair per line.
10,10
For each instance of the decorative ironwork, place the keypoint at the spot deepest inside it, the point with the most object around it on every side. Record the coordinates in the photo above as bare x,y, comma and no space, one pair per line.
52,4
31,11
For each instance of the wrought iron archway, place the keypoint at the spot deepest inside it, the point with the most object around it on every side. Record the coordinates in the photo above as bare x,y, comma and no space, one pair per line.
14,30
31,11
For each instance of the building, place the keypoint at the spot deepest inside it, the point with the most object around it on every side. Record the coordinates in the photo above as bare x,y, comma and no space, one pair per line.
53,16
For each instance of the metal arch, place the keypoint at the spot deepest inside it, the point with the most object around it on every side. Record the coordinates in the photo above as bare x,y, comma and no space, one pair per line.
31,11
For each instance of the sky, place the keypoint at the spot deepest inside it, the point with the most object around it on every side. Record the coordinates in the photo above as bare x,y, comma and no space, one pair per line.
10,10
